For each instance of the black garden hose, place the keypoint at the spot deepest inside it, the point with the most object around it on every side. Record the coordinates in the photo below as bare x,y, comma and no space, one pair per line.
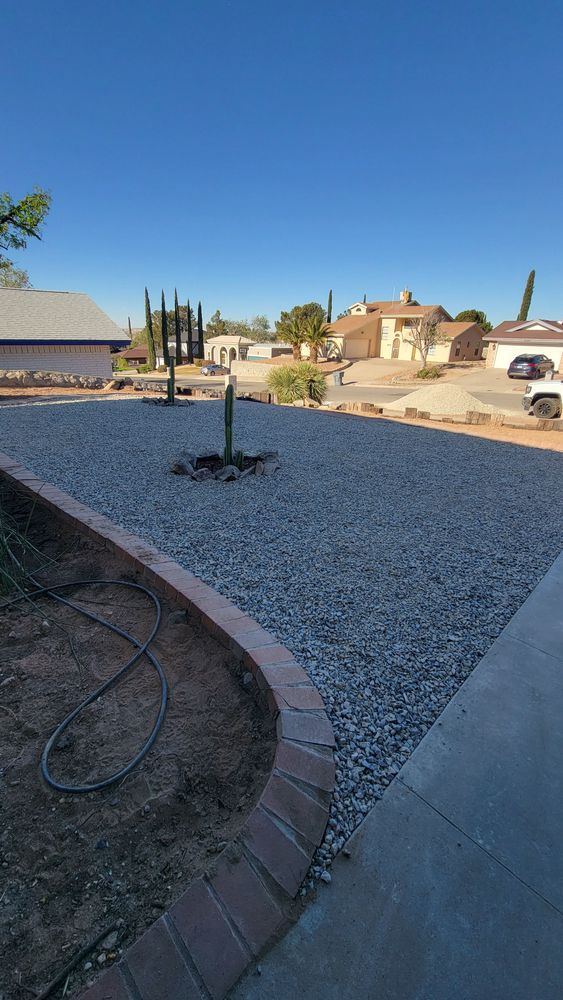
142,649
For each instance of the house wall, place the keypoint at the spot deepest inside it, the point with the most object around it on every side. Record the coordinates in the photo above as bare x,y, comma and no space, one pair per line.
393,328
467,346
500,355
94,359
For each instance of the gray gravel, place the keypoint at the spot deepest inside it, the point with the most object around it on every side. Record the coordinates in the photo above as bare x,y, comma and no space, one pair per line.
386,557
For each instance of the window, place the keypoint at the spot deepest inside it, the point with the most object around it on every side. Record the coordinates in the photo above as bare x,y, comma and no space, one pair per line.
476,351
385,331
457,351
468,343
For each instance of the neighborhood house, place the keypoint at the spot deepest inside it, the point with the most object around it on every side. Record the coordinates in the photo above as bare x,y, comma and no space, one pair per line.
384,330
56,332
535,336
224,349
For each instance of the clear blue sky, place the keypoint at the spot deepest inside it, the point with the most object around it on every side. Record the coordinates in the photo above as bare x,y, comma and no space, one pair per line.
255,153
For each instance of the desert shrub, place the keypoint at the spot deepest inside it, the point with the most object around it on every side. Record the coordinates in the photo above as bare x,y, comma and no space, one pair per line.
120,364
143,369
301,381
428,373
162,368
199,362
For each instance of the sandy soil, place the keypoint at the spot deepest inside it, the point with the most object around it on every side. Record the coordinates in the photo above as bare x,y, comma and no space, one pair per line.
74,865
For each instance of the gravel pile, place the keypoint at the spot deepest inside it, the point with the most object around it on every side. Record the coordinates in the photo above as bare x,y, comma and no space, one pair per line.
443,400
387,557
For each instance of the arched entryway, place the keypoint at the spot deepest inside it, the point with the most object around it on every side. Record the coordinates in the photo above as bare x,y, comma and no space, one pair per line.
396,347
213,354
223,356
232,354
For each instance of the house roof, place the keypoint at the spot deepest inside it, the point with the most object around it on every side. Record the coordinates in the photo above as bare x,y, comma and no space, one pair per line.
354,323
135,352
515,331
454,328
30,316
225,338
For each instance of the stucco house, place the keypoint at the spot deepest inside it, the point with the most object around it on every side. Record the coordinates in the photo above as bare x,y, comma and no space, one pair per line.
226,348
57,332
535,336
381,330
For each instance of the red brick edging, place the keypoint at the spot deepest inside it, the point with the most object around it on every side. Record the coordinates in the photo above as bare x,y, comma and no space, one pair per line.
205,941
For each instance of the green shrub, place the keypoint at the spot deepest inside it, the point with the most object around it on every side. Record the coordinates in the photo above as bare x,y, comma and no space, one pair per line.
301,381
428,373
143,369
162,368
199,362
120,364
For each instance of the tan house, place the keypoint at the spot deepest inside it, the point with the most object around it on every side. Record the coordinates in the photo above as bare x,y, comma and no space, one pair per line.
226,348
535,336
383,330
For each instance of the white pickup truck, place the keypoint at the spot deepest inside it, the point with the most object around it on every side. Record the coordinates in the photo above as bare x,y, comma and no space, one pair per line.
544,401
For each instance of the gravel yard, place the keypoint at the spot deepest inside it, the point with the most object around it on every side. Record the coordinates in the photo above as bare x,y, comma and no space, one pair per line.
386,556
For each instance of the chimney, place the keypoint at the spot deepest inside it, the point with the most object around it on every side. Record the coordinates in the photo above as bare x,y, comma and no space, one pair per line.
405,296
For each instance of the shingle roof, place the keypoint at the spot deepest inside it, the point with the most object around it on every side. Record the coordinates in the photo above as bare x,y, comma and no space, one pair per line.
455,327
28,315
519,331
355,322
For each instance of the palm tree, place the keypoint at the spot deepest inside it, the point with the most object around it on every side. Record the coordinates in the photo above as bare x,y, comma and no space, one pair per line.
315,335
294,335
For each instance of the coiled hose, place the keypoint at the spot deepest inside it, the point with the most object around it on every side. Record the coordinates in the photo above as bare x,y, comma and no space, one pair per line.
142,649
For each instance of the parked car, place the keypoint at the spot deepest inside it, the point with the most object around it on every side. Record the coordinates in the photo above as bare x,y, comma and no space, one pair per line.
529,366
545,402
214,370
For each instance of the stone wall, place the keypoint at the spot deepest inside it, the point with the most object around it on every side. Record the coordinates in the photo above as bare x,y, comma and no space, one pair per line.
12,379
250,370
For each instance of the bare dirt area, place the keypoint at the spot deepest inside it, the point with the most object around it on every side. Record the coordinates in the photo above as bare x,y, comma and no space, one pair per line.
75,865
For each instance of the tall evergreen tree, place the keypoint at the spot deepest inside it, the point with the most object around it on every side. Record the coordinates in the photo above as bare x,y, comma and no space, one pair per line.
178,325
164,327
190,337
365,297
527,297
151,353
329,308
130,330
199,331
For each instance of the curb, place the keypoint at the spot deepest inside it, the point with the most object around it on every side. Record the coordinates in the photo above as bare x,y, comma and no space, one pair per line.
200,947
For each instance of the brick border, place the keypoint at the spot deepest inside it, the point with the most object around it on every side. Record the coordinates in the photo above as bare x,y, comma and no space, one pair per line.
199,948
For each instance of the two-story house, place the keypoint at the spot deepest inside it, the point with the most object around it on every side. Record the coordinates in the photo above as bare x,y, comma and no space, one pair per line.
384,330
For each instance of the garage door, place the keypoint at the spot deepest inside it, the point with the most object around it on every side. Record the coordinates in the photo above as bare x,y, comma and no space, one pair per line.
357,348
507,352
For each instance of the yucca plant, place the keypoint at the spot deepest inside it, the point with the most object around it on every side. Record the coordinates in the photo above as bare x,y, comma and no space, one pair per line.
302,381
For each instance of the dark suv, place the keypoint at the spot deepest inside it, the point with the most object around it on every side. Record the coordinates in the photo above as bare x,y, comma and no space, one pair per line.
529,366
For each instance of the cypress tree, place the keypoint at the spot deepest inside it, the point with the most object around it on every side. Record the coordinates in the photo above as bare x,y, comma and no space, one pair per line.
130,330
527,297
329,310
151,353
164,328
199,331
178,325
190,336
365,297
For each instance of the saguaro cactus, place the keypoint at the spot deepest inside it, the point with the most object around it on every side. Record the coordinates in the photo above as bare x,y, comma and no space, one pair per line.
229,402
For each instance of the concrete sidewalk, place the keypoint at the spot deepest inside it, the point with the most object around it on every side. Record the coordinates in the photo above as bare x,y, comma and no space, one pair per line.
454,887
